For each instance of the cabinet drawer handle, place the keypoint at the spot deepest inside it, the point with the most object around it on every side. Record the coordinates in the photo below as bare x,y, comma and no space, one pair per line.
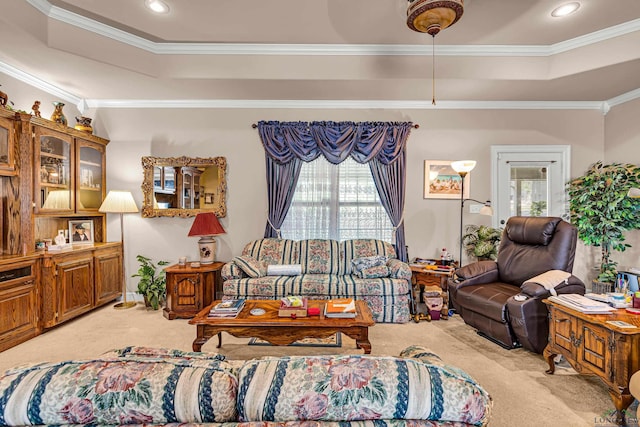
561,320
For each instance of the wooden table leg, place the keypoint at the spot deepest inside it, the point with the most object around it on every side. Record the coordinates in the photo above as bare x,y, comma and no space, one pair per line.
201,338
549,356
362,340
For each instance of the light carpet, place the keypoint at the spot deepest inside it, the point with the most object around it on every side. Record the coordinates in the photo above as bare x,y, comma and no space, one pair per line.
523,394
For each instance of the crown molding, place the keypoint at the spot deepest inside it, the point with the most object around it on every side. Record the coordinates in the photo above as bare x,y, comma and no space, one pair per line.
71,18
344,104
40,84
85,104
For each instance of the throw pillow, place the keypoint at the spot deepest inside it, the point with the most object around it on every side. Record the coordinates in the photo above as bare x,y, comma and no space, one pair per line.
359,264
251,266
374,272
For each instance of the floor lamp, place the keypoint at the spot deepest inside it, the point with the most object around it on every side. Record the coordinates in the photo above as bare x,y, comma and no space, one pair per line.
120,202
463,167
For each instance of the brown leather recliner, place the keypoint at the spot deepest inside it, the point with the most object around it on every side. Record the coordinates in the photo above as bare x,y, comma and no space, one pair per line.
490,295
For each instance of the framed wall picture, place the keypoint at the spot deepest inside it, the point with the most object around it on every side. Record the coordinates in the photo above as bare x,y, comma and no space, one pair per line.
80,231
442,182
208,198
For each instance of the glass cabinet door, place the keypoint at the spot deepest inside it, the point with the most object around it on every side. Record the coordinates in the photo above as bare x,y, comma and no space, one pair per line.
53,174
90,188
7,141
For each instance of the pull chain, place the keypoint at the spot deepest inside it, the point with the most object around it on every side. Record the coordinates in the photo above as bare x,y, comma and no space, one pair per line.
433,70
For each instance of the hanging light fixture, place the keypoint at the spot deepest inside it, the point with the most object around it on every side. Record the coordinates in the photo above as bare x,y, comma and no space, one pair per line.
432,16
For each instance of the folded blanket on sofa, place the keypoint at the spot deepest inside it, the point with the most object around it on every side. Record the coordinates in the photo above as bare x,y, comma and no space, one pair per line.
550,279
284,270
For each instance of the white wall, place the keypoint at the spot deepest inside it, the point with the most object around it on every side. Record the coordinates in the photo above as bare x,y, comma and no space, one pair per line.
622,136
430,223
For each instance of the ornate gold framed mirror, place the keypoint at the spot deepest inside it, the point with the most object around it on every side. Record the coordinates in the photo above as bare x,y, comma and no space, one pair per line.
184,186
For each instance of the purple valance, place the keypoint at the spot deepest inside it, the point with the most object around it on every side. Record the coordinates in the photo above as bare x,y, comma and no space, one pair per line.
363,141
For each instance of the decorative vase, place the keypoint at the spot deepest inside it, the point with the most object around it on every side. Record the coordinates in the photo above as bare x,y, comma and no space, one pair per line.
83,124
58,116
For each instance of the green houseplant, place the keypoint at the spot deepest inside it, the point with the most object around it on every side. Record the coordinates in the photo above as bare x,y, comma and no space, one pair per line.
153,283
481,241
602,212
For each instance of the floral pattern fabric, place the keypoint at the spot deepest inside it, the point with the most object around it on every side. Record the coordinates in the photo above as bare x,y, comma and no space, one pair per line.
143,386
359,264
117,390
374,272
326,267
357,388
251,266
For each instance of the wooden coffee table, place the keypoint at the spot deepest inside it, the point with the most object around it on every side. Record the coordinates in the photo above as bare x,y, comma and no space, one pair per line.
282,330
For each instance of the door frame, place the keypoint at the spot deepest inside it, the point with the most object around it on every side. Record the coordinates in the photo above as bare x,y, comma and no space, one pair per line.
496,150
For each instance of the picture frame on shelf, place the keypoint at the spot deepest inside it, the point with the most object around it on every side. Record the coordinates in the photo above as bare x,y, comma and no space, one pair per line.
81,232
442,182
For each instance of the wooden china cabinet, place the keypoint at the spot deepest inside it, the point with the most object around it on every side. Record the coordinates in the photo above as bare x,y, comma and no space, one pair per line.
51,174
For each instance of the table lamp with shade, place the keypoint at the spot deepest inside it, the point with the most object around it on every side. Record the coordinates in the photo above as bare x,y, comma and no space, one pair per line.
120,202
206,225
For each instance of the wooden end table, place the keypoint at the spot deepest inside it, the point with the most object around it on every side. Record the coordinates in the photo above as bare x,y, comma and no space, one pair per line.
282,330
422,280
594,347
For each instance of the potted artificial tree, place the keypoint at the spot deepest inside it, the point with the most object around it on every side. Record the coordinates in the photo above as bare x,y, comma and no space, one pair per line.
482,242
153,283
602,212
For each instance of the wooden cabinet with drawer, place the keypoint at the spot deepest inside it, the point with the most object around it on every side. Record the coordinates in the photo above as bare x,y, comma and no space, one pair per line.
593,346
190,289
76,281
18,302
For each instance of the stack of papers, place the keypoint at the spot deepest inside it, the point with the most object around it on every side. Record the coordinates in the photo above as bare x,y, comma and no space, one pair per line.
227,308
582,304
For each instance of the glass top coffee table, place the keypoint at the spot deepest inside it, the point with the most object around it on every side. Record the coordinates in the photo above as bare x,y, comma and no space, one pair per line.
282,330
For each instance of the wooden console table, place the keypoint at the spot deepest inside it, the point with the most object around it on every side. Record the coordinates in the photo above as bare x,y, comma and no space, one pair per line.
594,347
190,289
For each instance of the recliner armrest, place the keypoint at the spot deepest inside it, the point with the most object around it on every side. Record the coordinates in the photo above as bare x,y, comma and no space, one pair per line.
477,273
573,285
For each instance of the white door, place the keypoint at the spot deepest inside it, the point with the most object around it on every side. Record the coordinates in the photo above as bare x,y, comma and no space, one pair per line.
529,180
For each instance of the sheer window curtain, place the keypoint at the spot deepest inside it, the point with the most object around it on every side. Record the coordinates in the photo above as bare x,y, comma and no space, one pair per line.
336,202
364,141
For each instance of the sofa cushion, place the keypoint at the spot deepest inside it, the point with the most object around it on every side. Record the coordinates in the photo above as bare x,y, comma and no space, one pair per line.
319,256
328,285
161,353
116,390
273,251
251,266
339,388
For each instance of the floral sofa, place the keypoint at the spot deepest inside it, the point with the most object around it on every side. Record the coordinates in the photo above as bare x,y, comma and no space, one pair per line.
143,386
323,269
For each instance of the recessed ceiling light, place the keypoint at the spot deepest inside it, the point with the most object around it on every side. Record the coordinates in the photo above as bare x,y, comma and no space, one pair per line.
157,6
565,9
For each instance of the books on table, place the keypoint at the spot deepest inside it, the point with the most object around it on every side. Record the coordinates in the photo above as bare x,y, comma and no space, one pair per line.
582,304
227,308
340,308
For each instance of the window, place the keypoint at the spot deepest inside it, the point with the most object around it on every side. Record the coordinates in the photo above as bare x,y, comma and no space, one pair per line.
336,202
